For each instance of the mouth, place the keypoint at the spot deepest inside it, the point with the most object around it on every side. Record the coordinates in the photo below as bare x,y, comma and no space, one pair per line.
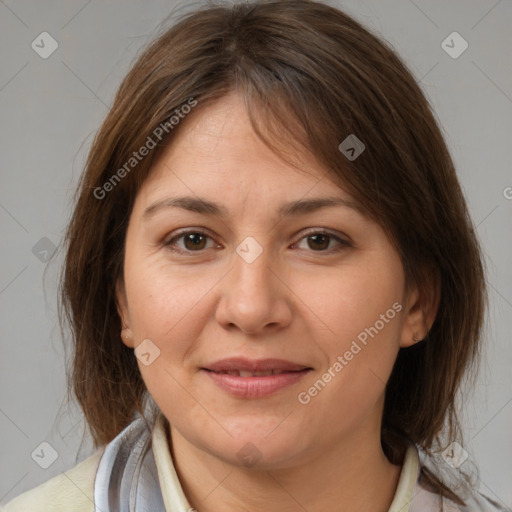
246,378
247,373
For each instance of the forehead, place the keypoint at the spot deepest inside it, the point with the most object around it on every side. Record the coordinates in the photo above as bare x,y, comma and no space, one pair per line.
216,153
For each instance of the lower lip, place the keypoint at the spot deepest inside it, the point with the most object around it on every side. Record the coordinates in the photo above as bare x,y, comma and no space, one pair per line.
255,387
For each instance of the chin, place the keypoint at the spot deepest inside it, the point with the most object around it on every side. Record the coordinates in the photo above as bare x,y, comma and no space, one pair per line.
257,448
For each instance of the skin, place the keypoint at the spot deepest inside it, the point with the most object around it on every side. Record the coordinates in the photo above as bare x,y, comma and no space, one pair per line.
299,300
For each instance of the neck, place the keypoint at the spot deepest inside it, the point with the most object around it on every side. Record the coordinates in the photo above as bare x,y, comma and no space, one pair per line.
353,475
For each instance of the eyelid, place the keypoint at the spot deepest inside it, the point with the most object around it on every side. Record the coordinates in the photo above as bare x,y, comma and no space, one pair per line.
202,231
183,232
323,231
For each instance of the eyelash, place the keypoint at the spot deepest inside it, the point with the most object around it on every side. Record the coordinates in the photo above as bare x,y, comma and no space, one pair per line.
343,244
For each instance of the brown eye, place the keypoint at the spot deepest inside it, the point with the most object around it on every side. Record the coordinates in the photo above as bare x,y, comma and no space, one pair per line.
193,241
190,241
319,242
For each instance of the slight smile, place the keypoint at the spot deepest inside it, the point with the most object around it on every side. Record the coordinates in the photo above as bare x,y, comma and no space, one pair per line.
245,378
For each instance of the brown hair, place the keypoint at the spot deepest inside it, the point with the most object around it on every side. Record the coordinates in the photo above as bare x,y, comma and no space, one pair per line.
311,72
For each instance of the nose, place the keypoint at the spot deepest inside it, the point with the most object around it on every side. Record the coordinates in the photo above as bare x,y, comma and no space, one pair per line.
254,297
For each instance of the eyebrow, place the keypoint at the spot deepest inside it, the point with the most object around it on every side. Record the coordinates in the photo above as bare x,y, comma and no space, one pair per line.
211,208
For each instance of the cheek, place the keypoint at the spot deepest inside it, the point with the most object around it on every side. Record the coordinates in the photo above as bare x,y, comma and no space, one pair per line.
165,301
169,307
348,301
360,313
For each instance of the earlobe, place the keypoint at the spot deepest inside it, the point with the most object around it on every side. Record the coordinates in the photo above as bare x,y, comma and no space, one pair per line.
413,329
421,311
127,337
122,309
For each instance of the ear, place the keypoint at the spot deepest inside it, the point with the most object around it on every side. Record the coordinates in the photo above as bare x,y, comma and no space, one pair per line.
421,308
122,309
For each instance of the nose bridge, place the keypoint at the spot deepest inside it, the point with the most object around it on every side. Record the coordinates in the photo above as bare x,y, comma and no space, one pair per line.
252,297
253,274
252,279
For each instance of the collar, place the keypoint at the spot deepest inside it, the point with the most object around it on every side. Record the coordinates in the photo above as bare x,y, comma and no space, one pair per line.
136,474
405,489
127,477
175,500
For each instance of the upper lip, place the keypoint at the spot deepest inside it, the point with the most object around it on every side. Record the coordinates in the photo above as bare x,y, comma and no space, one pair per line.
255,365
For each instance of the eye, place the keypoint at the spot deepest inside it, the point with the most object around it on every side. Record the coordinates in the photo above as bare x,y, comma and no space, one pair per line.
319,241
196,241
192,241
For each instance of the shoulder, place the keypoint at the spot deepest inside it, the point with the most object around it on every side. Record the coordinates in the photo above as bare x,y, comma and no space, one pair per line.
418,491
426,499
477,501
474,501
71,491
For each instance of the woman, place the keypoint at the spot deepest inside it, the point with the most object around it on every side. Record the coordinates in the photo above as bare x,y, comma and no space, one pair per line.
272,280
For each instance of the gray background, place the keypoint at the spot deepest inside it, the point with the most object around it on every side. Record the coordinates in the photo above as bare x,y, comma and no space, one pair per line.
50,109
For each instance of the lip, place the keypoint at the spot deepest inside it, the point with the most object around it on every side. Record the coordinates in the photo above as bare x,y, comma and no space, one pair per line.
285,373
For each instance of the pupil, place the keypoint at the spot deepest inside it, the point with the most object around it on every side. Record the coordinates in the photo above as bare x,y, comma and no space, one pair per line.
194,239
325,239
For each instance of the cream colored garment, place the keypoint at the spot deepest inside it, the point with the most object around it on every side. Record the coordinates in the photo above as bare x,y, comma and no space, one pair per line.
73,490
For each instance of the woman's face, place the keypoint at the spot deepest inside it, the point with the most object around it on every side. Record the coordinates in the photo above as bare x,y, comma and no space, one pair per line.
266,326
